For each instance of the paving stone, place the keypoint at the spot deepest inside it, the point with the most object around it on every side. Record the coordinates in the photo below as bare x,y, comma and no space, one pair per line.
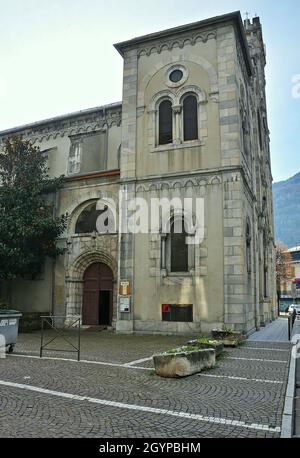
25,413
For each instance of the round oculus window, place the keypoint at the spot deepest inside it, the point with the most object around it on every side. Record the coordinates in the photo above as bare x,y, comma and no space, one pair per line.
176,76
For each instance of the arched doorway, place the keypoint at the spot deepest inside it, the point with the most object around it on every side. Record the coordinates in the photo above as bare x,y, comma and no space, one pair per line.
97,295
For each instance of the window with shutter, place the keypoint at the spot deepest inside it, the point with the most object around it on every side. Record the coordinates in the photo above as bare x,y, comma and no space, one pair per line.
190,118
165,123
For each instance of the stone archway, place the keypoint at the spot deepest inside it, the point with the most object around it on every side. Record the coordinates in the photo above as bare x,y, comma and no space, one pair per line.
75,281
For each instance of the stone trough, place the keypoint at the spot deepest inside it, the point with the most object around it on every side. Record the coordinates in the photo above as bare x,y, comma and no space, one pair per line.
215,345
183,364
228,338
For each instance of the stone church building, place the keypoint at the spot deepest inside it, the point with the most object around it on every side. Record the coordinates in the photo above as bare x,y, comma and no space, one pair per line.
192,123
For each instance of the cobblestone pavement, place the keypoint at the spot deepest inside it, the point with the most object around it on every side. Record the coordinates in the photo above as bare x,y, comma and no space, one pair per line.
277,331
242,396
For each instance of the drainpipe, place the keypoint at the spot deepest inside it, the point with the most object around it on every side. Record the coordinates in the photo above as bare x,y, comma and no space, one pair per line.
55,205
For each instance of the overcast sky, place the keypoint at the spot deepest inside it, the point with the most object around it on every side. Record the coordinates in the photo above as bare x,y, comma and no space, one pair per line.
57,56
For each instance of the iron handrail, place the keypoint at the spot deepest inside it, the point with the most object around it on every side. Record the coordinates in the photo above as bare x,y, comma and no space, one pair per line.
50,320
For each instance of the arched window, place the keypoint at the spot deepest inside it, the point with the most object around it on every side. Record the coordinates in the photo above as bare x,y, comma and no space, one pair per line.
87,220
165,122
259,130
248,247
190,118
179,248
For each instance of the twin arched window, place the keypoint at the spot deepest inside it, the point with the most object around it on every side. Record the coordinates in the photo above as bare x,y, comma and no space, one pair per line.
189,120
165,122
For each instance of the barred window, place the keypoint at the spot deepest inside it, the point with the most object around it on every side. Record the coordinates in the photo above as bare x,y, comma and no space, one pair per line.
190,118
165,122
179,249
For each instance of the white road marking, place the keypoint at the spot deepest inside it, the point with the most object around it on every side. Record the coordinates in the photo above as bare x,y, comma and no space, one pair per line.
256,359
120,405
264,349
241,378
85,361
138,361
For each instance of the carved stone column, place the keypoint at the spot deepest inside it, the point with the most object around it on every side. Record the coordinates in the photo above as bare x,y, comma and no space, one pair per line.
177,124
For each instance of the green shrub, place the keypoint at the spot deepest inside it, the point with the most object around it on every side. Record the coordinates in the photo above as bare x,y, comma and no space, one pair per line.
206,340
184,349
4,305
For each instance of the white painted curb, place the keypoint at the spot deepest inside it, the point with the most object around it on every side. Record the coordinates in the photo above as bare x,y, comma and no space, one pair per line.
287,425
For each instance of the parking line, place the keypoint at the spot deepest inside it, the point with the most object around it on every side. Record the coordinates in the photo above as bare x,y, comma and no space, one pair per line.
260,360
242,378
264,349
138,361
85,361
120,405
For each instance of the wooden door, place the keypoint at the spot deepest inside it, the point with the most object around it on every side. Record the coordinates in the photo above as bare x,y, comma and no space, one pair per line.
96,306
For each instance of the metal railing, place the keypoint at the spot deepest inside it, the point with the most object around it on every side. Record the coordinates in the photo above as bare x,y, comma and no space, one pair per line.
291,321
52,322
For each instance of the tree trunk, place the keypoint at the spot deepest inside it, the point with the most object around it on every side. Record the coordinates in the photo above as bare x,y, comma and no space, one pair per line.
278,301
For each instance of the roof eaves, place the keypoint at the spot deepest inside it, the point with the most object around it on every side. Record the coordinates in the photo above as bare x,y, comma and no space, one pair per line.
60,118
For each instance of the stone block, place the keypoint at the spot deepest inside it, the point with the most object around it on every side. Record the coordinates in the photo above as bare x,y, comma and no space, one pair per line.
184,364
228,104
154,254
226,120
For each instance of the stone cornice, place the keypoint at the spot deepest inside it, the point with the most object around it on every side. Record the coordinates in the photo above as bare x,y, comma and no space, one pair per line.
179,42
200,172
73,124
176,32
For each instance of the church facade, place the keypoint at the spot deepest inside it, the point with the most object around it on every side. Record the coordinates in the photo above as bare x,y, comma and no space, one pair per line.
192,125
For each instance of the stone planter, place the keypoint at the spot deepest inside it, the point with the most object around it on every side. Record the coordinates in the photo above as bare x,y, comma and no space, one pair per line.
217,346
231,342
228,338
183,364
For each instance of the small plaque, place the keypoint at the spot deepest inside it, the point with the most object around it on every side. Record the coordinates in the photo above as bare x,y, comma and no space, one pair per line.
124,288
125,304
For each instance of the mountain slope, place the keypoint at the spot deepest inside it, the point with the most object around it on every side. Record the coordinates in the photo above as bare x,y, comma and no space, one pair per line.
286,196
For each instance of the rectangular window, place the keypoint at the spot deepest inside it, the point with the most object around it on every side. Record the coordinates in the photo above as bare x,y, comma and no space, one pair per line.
88,153
74,158
177,312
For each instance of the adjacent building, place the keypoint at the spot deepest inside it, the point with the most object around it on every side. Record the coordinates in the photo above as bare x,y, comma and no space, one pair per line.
290,290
